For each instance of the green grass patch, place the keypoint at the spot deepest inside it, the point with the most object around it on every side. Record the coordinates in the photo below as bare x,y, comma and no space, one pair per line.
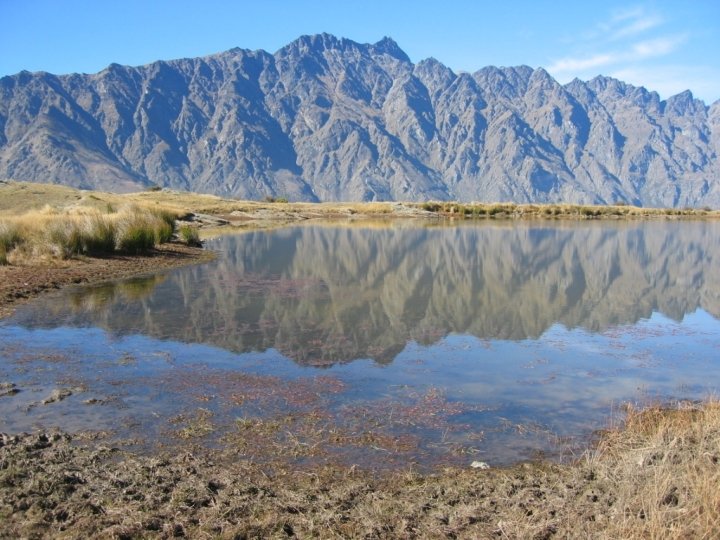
95,235
190,236
99,237
137,235
10,237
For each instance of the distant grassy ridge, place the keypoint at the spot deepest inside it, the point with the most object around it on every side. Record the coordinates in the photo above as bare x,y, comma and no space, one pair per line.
21,197
551,210
51,233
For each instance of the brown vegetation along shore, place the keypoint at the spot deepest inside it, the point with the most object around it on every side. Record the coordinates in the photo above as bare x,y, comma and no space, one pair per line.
656,477
561,211
18,197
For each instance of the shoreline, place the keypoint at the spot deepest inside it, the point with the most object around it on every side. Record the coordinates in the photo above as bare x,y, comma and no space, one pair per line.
19,283
24,282
19,197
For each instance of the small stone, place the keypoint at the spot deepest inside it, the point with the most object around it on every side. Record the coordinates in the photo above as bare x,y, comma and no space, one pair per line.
479,465
8,389
57,395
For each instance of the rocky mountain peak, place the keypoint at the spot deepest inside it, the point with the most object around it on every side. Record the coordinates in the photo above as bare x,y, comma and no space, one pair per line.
684,103
541,77
388,46
603,84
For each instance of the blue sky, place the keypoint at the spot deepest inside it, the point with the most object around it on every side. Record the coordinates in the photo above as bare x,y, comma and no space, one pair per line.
667,46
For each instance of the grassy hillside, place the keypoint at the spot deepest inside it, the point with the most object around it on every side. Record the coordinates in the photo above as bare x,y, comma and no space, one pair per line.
20,197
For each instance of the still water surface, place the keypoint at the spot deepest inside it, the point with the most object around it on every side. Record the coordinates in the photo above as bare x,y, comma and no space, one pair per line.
381,345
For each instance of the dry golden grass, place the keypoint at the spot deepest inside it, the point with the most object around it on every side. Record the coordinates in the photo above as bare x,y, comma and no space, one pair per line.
49,233
656,476
665,466
19,197
556,211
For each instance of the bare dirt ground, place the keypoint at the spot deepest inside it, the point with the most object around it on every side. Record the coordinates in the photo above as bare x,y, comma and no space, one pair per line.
655,478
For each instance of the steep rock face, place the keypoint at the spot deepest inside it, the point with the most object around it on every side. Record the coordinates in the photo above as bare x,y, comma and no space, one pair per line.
326,118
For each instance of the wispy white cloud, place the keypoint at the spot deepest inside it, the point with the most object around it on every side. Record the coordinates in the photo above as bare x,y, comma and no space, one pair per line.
636,26
580,64
634,52
632,44
626,13
642,46
625,23
655,47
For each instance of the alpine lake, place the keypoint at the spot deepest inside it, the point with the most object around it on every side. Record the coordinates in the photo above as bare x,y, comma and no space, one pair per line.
380,344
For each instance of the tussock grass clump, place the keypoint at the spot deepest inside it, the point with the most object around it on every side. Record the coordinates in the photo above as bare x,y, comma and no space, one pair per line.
65,238
9,235
431,206
495,209
92,234
136,236
589,211
140,230
85,231
166,227
9,238
190,236
100,235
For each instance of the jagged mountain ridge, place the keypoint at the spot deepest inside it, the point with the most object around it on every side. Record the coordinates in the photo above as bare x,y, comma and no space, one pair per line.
326,118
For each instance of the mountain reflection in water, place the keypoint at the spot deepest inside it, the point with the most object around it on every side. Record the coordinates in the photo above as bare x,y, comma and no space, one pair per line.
327,294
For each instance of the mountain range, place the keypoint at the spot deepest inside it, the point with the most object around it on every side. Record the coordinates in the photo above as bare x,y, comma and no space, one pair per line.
327,119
